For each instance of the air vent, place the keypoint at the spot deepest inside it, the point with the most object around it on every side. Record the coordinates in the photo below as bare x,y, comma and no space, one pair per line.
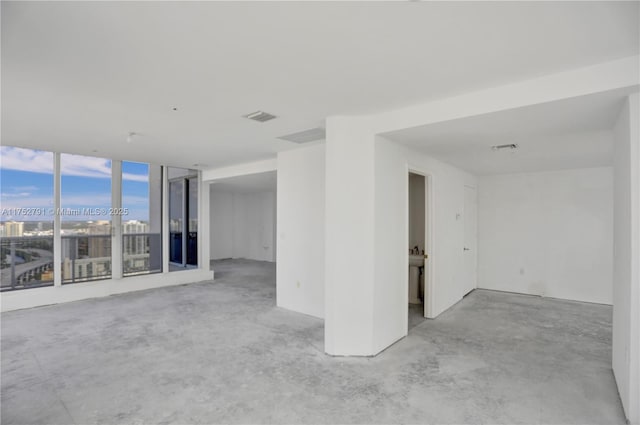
260,116
509,146
306,136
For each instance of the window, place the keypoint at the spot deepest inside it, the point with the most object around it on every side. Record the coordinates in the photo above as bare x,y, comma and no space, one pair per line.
85,214
26,223
86,217
141,218
183,218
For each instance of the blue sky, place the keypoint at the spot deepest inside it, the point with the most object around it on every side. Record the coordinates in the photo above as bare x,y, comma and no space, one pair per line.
26,181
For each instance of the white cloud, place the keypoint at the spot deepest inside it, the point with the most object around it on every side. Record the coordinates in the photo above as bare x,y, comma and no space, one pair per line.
134,200
135,177
26,160
76,201
72,165
15,195
27,202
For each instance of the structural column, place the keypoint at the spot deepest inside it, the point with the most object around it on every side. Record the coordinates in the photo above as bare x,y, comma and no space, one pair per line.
349,232
204,222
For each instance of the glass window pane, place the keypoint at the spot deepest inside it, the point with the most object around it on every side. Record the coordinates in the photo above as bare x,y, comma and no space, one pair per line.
26,223
176,215
192,241
183,218
141,218
85,218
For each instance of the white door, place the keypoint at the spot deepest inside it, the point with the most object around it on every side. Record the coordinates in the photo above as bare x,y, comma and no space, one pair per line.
470,239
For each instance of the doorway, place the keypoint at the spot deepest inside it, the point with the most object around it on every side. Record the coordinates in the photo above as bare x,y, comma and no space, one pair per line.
243,213
418,238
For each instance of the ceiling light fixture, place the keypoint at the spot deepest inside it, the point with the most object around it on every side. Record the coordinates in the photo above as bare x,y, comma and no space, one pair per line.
260,116
509,146
131,136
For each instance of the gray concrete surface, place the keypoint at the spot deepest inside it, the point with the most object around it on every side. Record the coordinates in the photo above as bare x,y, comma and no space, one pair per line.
416,315
223,353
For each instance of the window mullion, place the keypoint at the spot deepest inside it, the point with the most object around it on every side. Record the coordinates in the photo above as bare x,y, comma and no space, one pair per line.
116,219
57,225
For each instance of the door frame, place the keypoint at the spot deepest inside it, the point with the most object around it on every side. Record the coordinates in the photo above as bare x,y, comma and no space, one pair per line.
429,287
464,236
191,174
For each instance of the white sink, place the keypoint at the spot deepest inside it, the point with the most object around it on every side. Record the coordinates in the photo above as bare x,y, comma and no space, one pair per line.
416,260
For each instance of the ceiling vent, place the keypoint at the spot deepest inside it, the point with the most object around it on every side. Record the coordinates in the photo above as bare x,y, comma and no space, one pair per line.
510,146
260,116
305,136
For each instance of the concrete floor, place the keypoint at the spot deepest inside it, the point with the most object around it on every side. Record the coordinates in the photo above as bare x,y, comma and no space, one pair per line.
222,352
416,315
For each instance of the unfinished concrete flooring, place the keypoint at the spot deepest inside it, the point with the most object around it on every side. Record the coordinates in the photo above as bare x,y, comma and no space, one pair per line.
221,352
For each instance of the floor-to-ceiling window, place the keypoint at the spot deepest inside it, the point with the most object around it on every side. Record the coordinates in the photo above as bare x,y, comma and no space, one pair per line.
141,218
85,215
183,218
72,207
26,222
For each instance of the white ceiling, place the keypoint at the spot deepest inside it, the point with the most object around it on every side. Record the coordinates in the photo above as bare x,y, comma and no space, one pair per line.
260,182
79,76
572,133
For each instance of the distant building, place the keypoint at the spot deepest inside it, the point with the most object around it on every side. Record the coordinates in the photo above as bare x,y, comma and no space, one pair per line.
135,226
99,247
135,245
13,229
86,269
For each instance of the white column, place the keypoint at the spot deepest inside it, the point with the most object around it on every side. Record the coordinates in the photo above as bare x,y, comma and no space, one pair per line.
165,219
155,216
116,220
203,223
349,232
57,238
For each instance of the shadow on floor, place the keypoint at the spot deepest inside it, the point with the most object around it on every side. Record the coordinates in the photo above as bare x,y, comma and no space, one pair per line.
416,315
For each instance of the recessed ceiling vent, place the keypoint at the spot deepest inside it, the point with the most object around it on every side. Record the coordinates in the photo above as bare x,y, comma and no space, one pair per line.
260,116
305,136
509,147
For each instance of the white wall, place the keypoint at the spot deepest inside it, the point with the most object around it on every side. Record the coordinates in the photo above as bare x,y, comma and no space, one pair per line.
391,292
238,170
626,259
243,225
349,237
254,226
222,224
301,231
391,237
547,233
362,185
